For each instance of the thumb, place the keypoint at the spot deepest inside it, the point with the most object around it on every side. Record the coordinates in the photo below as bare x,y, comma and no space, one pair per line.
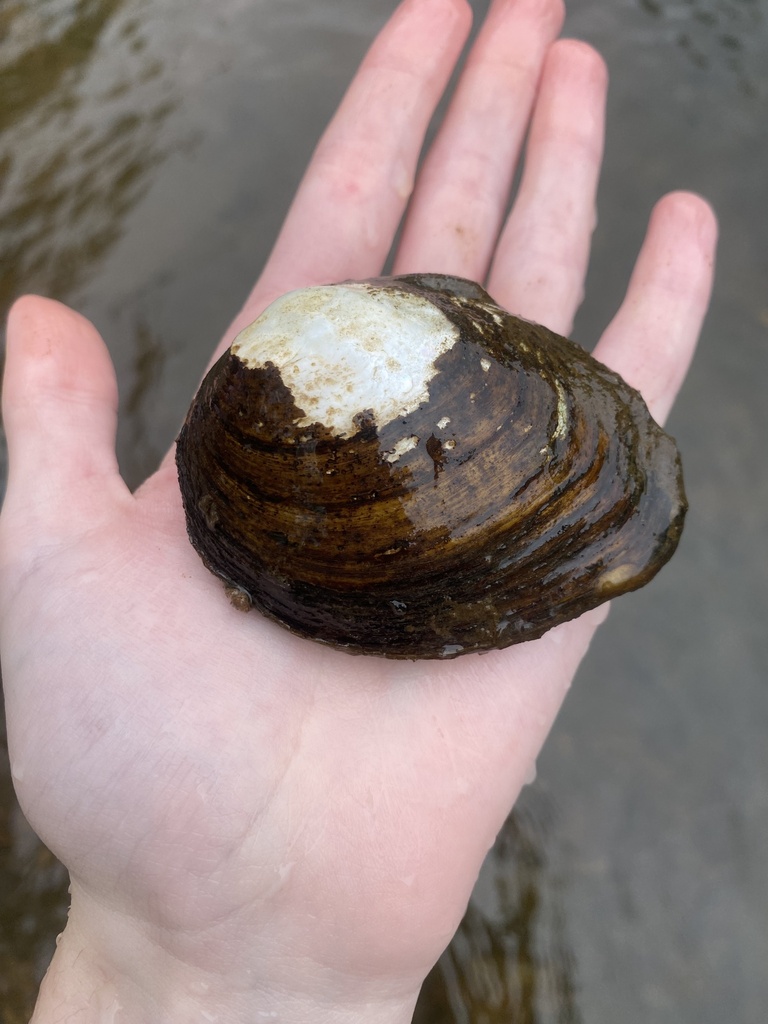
60,416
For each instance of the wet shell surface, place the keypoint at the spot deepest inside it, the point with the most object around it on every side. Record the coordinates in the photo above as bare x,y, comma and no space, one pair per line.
400,467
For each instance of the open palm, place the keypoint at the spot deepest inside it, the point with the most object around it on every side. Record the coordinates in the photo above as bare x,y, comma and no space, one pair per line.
243,812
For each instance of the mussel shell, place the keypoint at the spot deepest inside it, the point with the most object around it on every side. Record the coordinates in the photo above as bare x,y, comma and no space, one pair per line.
530,485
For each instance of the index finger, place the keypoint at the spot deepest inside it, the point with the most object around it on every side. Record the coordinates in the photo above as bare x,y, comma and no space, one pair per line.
343,219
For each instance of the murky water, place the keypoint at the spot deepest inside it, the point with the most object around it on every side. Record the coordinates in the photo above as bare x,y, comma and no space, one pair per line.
148,151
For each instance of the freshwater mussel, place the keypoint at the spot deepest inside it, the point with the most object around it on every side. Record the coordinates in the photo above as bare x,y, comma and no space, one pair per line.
400,467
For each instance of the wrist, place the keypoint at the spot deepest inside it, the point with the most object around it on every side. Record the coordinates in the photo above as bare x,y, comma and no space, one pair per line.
112,972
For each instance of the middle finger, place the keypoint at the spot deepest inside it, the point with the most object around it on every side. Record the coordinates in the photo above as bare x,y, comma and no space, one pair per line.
464,183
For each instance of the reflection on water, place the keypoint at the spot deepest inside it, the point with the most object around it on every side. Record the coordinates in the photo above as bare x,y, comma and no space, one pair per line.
83,101
510,961
76,138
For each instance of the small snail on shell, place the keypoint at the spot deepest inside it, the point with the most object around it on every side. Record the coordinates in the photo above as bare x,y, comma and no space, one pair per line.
400,467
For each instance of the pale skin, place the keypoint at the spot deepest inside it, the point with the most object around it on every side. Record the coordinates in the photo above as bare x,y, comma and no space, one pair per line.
254,824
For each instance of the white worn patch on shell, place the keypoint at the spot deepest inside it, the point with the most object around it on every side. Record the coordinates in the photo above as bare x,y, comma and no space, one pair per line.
341,354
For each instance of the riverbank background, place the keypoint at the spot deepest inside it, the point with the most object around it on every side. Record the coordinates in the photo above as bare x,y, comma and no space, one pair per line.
148,153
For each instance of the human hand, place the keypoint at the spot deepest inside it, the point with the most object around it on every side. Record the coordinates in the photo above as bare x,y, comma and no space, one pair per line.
257,825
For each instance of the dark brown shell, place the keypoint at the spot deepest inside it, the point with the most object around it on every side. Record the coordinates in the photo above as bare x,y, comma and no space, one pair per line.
549,491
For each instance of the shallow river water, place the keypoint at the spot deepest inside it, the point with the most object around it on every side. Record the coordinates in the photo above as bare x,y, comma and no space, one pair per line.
148,152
